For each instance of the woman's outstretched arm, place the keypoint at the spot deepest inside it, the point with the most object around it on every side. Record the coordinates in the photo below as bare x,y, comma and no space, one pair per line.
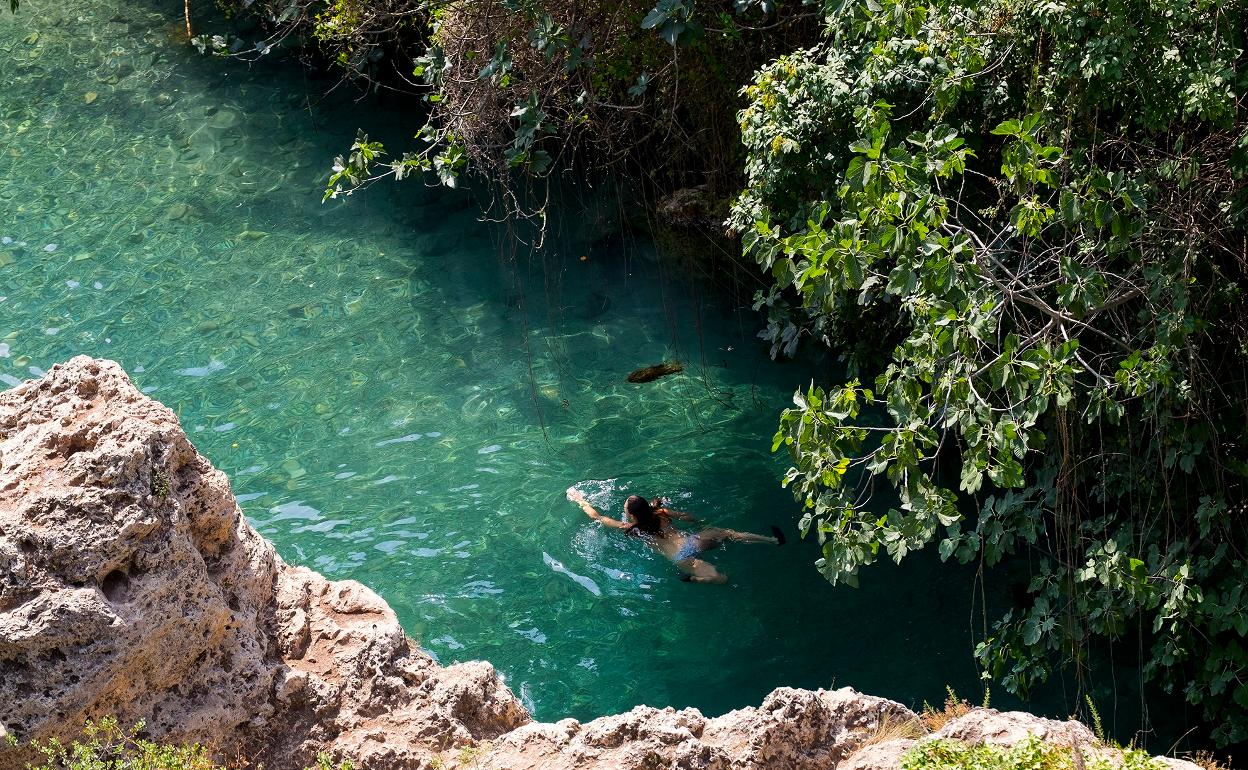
575,496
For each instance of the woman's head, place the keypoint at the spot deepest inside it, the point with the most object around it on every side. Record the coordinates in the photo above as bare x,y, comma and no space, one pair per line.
641,512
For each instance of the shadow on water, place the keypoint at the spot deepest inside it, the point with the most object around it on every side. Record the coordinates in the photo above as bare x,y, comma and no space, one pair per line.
401,395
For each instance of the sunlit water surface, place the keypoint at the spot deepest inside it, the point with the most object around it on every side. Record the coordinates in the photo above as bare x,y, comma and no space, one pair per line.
398,400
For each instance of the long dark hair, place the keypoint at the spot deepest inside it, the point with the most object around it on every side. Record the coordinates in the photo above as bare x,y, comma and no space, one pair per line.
642,512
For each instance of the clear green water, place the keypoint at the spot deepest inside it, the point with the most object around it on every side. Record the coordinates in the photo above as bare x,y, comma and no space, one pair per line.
399,402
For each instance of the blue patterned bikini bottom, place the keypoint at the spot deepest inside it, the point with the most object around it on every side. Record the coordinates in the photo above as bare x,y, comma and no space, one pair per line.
689,548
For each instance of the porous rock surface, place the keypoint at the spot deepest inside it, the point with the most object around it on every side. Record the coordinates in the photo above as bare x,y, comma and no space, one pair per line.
979,725
792,729
132,586
1000,728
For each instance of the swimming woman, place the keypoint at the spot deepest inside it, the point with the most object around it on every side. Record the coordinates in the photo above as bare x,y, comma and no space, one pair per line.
652,522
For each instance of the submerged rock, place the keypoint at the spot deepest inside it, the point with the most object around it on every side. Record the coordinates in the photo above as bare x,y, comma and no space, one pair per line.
132,586
592,305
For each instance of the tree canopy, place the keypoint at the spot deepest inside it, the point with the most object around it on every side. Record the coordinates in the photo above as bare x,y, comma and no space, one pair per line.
1043,204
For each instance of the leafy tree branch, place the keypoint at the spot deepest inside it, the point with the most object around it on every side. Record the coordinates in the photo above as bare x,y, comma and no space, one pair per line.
1046,205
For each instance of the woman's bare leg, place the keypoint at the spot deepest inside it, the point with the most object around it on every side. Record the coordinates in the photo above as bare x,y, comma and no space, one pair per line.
713,536
701,571
750,537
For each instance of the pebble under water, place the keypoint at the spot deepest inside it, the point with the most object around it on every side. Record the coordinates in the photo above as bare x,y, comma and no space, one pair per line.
402,398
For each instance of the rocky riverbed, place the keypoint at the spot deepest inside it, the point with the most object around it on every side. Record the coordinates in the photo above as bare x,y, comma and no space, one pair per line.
132,586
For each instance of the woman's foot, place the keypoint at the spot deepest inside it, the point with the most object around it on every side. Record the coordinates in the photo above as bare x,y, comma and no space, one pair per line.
779,535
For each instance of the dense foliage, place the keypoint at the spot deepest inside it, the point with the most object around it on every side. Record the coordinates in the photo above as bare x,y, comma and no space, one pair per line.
1041,209
516,89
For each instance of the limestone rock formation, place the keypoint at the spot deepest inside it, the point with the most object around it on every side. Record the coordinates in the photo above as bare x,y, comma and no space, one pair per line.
792,729
1001,728
132,586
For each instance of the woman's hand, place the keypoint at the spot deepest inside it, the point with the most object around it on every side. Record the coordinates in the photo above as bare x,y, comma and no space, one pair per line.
575,496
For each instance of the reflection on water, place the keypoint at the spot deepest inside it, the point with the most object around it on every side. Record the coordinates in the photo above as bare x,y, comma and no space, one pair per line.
399,401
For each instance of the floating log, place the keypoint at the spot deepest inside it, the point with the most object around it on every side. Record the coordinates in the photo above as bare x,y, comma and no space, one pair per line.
648,373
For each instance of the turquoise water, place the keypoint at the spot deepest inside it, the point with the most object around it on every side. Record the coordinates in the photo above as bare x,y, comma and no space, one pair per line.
401,395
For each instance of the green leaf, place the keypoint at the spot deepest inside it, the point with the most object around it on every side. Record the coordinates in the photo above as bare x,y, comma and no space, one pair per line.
1069,206
858,173
653,19
639,88
1031,631
1008,128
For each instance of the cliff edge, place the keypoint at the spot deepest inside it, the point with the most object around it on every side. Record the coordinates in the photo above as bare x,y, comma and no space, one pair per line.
132,586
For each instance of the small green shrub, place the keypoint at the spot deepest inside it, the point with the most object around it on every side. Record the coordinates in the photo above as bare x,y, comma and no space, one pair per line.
470,756
160,486
1031,754
106,746
325,762
954,707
